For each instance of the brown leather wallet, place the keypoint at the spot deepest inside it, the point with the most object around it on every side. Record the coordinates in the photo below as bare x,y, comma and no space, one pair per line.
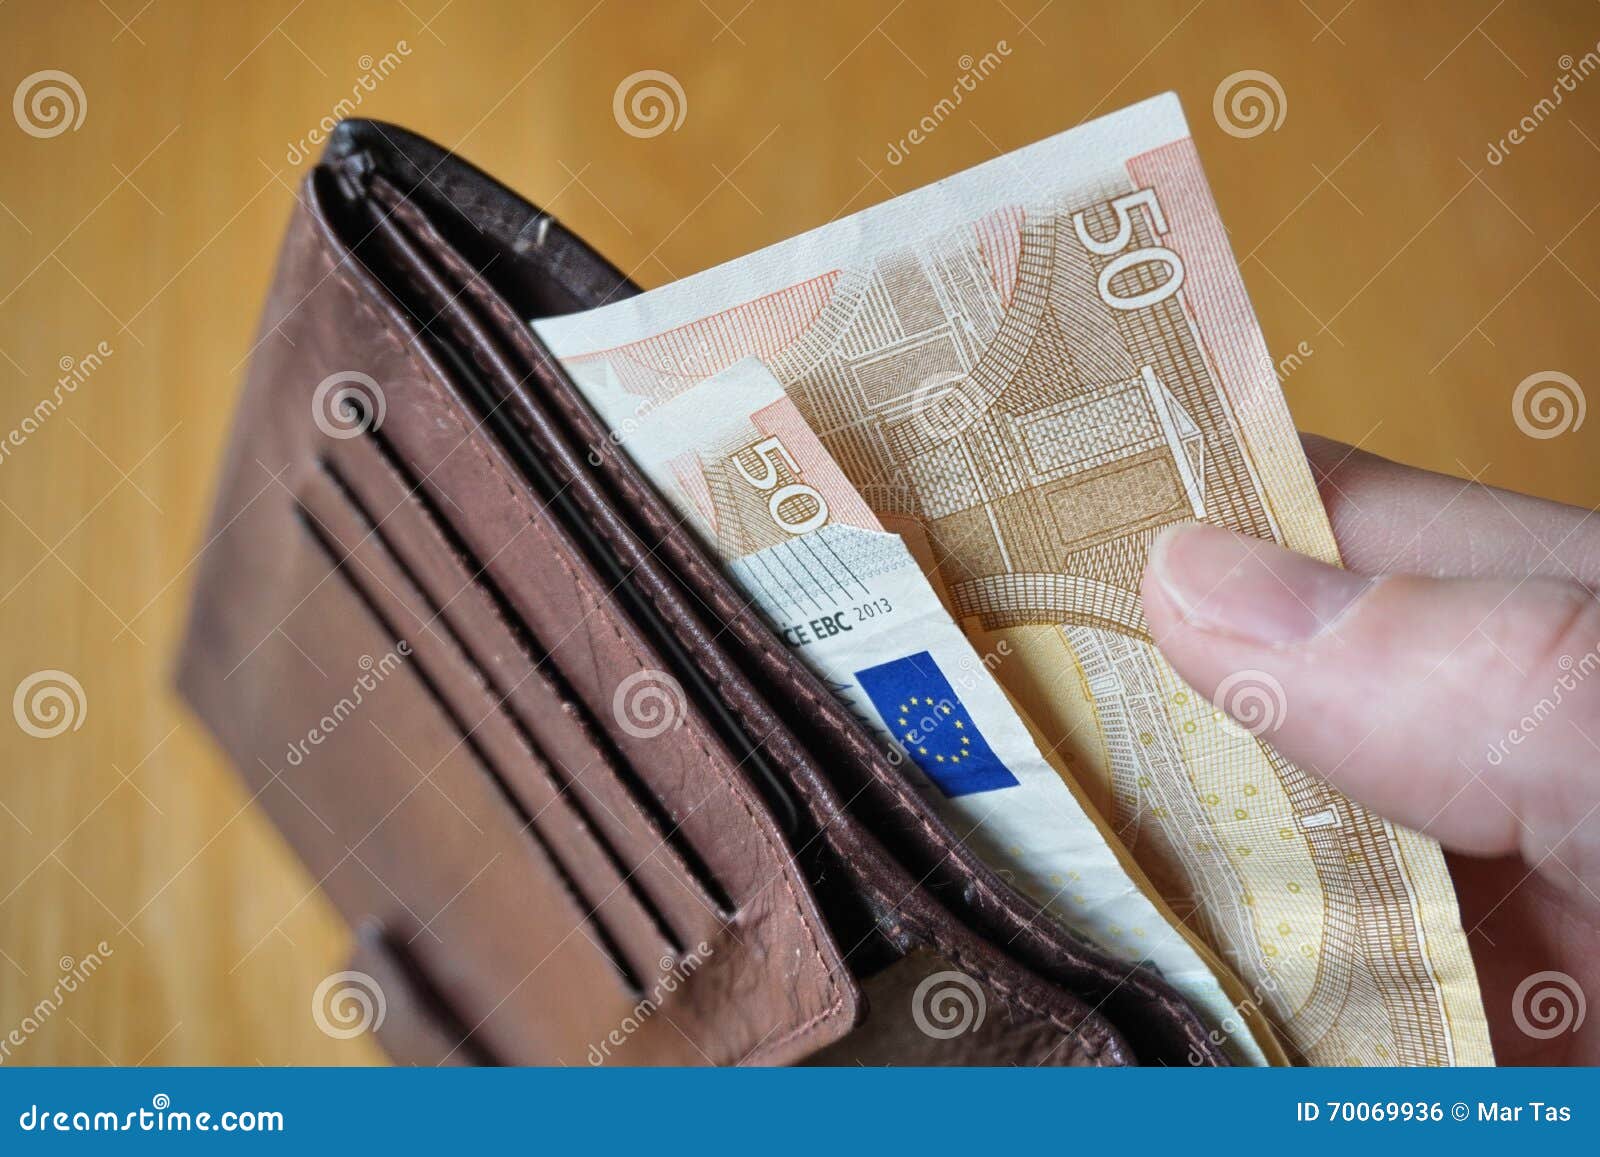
425,600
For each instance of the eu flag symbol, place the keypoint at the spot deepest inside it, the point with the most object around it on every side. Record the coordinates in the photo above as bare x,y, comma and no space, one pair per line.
930,722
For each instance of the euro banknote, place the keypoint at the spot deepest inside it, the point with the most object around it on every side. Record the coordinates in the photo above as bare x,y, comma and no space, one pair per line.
744,470
1017,377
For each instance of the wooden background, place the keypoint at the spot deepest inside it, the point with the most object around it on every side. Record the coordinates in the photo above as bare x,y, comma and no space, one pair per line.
1425,281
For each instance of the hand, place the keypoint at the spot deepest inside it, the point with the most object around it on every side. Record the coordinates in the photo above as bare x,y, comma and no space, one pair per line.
1449,680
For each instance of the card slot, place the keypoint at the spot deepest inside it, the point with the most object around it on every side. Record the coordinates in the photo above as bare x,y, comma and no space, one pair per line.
431,1029
543,668
564,786
603,938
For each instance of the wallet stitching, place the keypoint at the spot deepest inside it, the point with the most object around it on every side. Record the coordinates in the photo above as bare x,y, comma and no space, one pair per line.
344,275
956,954
950,949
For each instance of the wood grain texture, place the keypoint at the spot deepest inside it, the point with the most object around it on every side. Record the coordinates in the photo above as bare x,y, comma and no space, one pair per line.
1424,281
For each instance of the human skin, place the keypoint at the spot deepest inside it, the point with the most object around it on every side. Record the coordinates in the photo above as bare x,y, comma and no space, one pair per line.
1449,679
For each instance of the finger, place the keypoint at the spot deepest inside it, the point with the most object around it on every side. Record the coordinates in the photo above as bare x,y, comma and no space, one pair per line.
1469,708
1388,517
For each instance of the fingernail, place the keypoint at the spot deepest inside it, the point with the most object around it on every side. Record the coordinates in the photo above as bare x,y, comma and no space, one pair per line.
1231,584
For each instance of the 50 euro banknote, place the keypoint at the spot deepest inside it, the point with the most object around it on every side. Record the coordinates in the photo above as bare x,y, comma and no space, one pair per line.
1009,382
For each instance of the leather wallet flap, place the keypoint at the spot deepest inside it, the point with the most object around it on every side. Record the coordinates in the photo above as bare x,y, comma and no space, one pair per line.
448,745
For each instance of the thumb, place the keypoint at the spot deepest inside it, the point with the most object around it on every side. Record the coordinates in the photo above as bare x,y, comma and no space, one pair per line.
1467,708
